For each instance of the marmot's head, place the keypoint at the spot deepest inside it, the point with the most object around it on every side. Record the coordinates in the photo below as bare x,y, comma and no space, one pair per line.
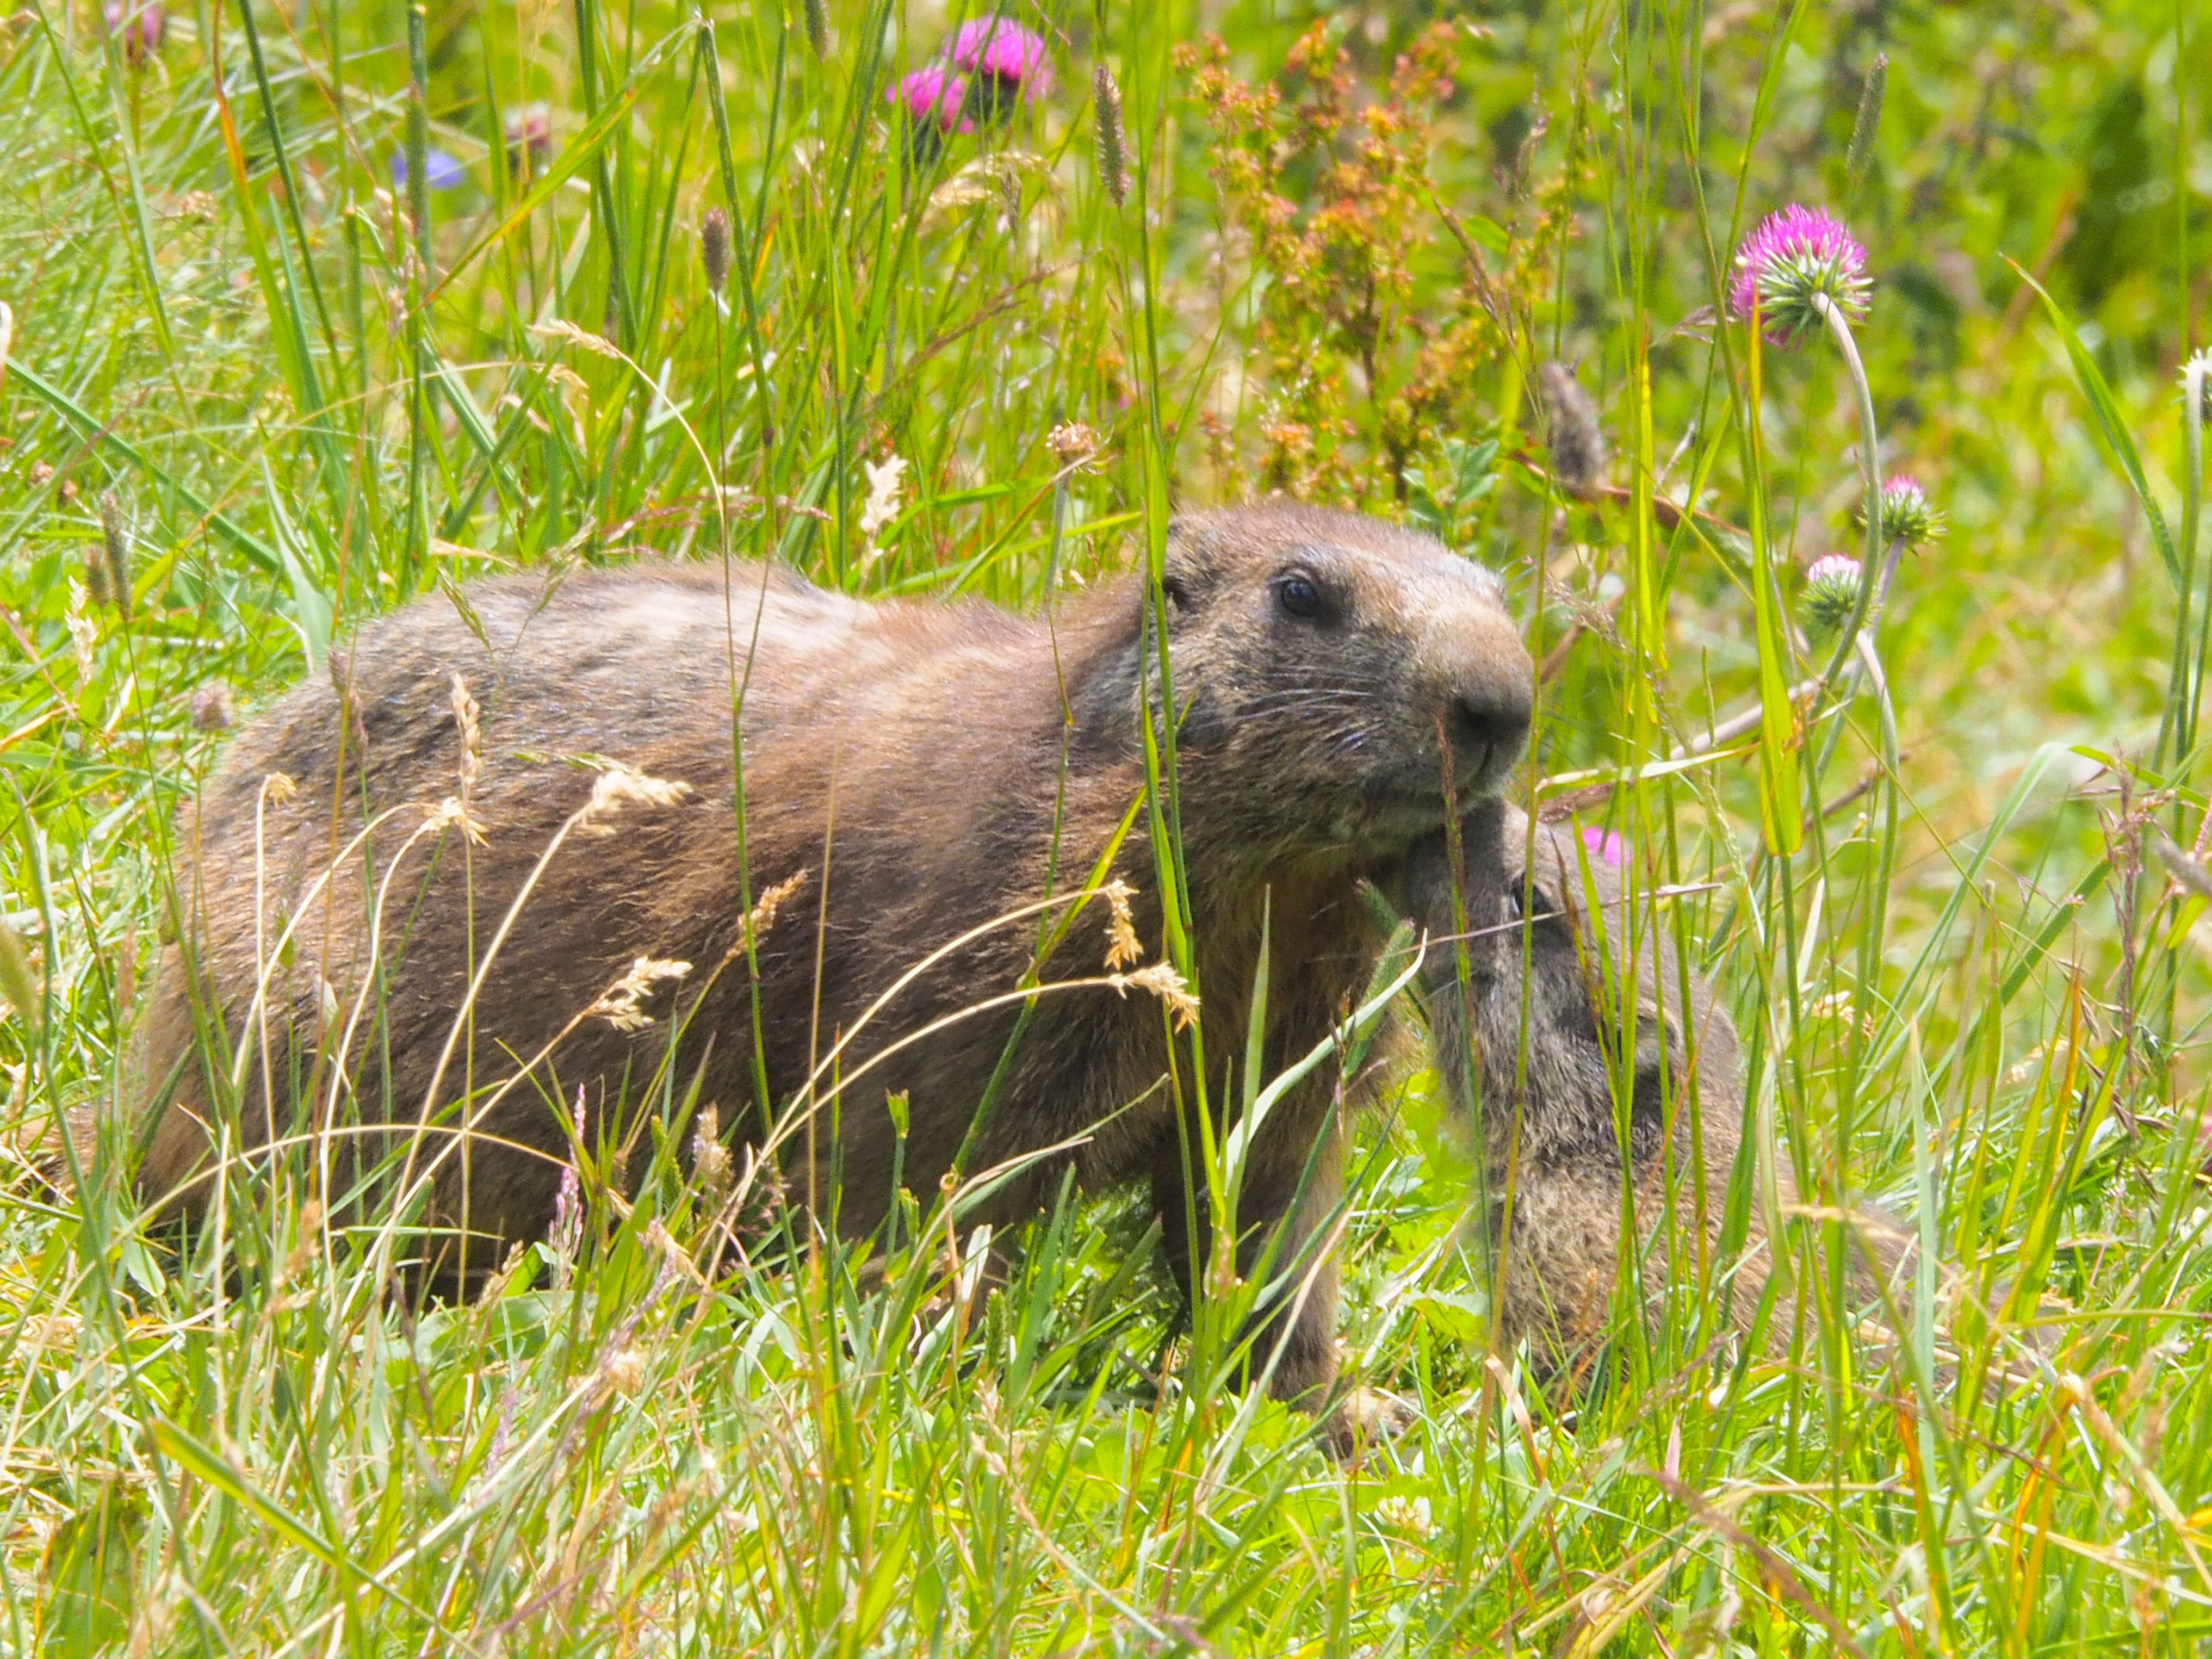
1565,973
1334,674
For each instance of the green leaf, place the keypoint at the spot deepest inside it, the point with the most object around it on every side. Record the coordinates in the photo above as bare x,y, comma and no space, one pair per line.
88,1578
2111,426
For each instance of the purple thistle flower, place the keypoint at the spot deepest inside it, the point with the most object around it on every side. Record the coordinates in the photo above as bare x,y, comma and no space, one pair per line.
1002,49
1906,514
137,29
1605,845
439,170
934,97
1790,258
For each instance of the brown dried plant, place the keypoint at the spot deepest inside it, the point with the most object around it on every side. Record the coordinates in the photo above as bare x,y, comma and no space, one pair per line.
1379,317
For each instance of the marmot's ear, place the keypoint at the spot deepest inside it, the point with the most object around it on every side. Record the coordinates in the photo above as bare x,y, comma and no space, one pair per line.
1188,569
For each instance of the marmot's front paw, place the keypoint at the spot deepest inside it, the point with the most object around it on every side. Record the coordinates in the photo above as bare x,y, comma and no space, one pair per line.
1361,1418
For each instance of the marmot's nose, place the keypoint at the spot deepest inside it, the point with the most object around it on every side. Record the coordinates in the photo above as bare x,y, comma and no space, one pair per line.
1490,695
1485,725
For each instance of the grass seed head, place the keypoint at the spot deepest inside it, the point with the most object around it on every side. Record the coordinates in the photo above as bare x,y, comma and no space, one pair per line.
881,510
1578,449
468,719
1164,981
115,548
1122,947
1869,118
714,249
1112,138
763,915
710,1159
622,1004
454,813
620,787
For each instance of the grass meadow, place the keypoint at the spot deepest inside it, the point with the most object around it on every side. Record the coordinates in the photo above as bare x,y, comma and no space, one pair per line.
261,382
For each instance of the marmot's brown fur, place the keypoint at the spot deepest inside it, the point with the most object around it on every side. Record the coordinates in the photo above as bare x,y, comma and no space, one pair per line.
1530,1025
911,771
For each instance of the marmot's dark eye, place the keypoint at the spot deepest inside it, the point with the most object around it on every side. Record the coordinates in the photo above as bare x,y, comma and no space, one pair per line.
1298,596
1177,594
1539,903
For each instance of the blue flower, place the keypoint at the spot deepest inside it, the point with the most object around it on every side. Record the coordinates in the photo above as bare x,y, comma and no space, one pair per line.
439,170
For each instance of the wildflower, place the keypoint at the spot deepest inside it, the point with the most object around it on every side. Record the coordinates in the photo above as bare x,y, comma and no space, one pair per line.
1113,142
1906,515
138,32
625,1369
1577,440
529,134
622,1005
932,99
439,170
566,1235
1071,442
621,786
1796,258
1605,845
2195,379
211,708
714,249
1831,590
882,507
1006,62
1408,1516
